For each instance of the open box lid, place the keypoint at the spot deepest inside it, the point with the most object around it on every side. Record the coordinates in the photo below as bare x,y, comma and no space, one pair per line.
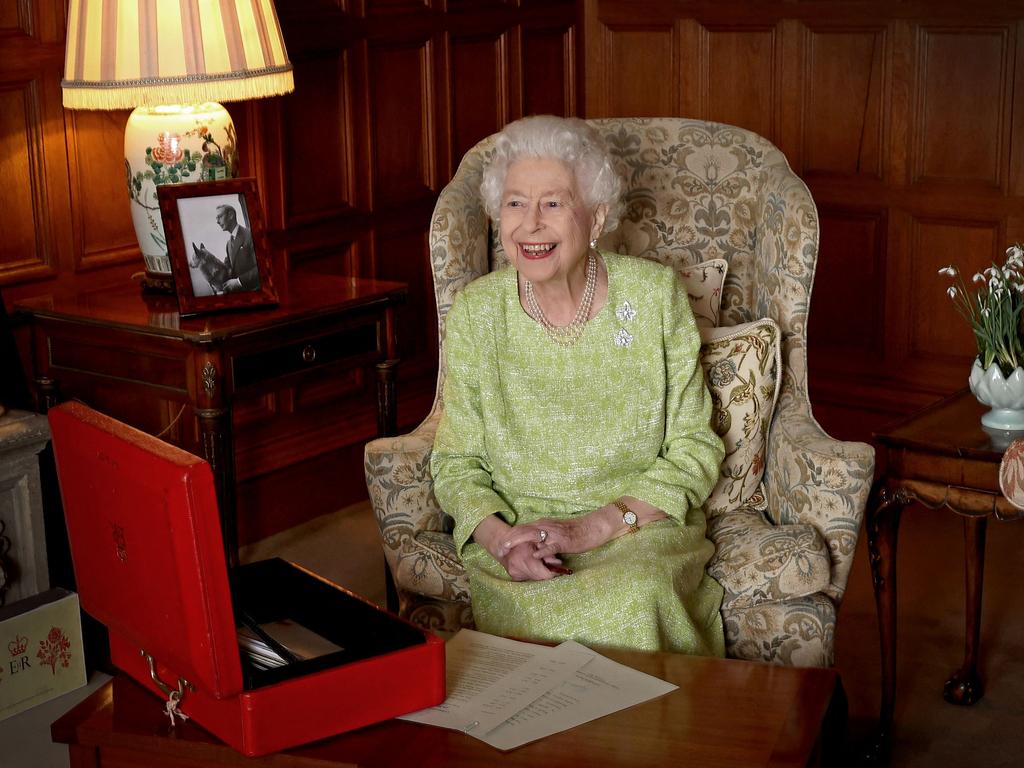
146,545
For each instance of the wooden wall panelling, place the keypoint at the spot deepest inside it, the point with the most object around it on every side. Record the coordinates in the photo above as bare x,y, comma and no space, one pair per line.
844,105
937,334
317,134
962,106
28,248
36,242
102,219
479,83
739,70
846,328
905,119
548,70
403,130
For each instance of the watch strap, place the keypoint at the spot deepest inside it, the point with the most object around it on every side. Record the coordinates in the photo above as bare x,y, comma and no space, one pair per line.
629,517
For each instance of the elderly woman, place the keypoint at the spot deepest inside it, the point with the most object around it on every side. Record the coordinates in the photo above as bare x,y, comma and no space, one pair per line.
575,450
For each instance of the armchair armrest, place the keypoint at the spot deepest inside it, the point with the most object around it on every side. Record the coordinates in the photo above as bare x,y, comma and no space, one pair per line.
414,529
813,478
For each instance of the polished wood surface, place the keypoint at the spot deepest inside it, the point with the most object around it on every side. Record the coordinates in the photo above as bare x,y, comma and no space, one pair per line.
942,459
725,713
133,357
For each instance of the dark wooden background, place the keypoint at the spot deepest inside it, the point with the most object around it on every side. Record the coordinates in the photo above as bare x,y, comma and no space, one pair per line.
906,119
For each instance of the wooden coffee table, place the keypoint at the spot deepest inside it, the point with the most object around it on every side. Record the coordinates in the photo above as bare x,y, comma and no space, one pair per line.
725,713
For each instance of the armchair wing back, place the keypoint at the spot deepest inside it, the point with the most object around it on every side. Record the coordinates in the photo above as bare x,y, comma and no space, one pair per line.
694,190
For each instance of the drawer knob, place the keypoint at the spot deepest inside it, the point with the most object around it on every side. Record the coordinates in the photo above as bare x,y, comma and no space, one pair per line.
309,353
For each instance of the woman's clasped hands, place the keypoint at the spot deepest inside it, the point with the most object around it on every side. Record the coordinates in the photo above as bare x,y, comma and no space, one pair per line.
530,552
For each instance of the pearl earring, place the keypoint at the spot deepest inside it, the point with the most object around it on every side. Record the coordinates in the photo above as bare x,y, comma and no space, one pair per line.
593,244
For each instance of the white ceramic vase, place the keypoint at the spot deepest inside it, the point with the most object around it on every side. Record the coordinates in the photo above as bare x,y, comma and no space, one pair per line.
1004,395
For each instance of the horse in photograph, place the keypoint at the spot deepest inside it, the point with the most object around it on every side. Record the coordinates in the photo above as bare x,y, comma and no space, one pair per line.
213,269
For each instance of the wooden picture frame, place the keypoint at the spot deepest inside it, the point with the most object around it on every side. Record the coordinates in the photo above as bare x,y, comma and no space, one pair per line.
216,242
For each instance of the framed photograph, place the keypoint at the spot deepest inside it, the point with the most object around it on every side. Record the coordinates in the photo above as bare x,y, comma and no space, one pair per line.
217,245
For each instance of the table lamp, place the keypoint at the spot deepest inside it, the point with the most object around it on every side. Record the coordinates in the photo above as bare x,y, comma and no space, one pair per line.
172,61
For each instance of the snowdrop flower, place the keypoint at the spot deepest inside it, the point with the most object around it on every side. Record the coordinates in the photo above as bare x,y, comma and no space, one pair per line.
951,291
950,270
978,277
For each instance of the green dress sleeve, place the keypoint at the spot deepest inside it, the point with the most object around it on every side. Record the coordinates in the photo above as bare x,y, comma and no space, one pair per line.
685,471
459,462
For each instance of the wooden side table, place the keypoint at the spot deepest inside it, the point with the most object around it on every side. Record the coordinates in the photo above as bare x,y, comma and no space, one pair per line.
133,357
942,458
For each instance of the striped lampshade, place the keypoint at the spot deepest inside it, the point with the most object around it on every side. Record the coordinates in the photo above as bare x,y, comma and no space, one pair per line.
131,53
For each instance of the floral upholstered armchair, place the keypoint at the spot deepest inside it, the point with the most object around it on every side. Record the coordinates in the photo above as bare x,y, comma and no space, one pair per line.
694,191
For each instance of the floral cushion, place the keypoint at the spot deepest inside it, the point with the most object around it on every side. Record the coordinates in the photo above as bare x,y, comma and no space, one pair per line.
759,562
704,283
741,367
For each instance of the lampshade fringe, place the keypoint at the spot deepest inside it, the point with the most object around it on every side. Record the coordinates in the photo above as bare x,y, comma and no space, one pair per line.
79,95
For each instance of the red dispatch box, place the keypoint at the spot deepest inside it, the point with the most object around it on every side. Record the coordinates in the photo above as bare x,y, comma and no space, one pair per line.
149,561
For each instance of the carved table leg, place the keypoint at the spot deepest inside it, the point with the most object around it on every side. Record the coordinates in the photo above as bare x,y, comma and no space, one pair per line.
387,408
883,520
47,393
215,432
965,686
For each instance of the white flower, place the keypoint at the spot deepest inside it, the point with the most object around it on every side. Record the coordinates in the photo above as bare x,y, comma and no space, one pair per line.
978,278
985,312
951,291
625,313
623,338
950,270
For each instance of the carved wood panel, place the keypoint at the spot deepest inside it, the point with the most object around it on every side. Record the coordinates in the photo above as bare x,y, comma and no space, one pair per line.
963,101
402,89
99,196
479,95
548,71
737,83
22,196
640,63
844,102
936,332
318,164
847,322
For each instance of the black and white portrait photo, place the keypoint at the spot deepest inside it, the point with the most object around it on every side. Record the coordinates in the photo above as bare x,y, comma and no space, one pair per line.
219,244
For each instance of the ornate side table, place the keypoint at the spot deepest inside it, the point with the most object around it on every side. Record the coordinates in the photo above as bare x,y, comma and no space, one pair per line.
942,458
135,358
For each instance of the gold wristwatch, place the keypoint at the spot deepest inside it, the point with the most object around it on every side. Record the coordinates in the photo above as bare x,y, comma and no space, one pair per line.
629,517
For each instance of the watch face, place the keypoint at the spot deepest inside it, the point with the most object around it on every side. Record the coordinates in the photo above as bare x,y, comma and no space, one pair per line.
629,518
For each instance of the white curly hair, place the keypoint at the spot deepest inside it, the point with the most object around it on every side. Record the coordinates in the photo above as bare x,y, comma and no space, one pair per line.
567,139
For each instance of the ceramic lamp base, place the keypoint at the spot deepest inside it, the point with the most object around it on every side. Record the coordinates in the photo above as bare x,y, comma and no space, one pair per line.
172,145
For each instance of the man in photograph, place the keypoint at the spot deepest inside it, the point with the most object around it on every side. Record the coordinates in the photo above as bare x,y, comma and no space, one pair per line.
241,255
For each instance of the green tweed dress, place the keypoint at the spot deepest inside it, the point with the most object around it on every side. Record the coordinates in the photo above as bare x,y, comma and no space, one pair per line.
532,430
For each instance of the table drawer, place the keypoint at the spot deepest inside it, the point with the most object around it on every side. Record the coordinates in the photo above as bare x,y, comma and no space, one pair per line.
355,343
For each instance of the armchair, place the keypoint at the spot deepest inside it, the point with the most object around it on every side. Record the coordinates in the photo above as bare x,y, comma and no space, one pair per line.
694,191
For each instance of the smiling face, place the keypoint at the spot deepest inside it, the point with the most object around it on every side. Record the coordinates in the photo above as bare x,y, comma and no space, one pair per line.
546,227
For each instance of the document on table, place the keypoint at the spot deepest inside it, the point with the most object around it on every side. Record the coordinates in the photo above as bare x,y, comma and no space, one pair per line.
489,679
508,693
600,687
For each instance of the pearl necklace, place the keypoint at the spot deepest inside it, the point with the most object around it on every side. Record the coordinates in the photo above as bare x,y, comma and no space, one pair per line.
567,335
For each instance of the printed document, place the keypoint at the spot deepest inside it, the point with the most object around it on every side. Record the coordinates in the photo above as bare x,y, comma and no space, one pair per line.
489,679
508,693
